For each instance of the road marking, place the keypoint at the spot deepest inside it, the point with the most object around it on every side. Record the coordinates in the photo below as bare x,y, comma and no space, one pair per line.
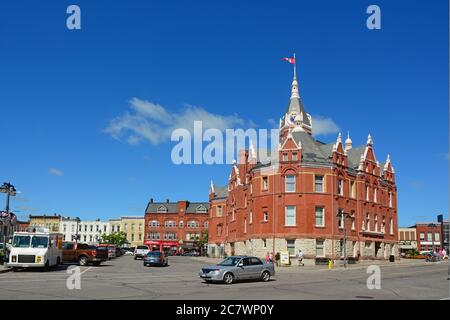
86,270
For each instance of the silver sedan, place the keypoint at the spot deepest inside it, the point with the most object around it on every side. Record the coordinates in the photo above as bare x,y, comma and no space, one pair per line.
238,268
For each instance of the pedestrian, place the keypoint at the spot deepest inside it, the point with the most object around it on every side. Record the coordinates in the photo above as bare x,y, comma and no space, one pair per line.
271,257
300,256
267,257
277,259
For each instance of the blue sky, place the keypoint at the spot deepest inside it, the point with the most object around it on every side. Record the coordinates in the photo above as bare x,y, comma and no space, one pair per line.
60,90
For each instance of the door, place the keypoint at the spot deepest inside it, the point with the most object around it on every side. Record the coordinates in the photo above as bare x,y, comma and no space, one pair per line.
244,269
255,268
68,252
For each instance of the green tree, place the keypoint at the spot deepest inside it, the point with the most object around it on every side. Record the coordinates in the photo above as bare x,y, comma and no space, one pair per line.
117,238
202,241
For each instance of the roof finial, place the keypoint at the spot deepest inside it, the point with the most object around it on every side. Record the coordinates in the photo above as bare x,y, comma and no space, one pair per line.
369,139
348,142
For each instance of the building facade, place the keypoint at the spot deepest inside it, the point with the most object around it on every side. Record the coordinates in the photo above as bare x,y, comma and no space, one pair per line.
329,200
428,236
51,222
175,225
133,226
89,231
407,239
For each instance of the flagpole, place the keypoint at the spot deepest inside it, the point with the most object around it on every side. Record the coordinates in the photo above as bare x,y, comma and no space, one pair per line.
295,68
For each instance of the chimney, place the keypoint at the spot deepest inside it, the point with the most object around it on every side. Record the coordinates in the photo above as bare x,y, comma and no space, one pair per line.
182,206
167,200
151,200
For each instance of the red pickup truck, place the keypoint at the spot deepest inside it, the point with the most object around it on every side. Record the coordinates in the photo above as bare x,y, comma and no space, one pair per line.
84,253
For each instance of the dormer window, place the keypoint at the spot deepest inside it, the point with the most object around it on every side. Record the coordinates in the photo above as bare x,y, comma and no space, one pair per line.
294,156
161,209
201,209
285,157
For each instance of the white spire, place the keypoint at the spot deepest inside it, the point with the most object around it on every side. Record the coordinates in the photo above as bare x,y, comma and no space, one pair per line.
339,138
252,153
388,160
294,92
348,142
211,188
369,139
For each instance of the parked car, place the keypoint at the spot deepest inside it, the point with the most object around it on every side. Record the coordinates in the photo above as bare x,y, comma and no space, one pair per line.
238,268
141,252
84,253
120,252
110,248
156,258
128,253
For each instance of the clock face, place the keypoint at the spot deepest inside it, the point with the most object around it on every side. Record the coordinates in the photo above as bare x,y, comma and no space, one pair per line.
292,118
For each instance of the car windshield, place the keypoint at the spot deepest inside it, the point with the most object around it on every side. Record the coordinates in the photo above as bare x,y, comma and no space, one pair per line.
142,248
21,241
232,261
39,242
154,253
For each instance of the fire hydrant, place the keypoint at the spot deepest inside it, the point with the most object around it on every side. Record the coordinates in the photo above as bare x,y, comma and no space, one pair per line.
330,264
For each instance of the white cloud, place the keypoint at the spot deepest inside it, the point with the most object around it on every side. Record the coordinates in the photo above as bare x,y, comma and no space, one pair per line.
323,126
56,172
153,123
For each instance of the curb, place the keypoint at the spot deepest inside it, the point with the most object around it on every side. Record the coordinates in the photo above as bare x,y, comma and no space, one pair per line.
4,270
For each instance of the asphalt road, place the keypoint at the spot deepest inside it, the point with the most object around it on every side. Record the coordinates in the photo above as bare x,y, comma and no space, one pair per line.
126,278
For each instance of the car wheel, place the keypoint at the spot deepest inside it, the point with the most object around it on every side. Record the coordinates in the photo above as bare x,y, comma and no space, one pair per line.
58,261
83,261
135,258
228,278
265,276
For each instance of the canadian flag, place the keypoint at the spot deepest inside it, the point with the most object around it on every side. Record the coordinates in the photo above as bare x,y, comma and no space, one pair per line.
290,60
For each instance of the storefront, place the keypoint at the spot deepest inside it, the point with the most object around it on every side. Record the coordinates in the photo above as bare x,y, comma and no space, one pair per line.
156,245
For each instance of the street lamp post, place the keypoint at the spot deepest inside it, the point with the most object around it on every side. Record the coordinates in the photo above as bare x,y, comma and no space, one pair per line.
76,234
10,190
344,216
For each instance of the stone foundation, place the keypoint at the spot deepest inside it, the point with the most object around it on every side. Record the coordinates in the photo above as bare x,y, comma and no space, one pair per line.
332,248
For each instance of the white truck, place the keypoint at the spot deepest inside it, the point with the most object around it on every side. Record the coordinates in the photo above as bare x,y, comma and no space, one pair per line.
36,248
141,252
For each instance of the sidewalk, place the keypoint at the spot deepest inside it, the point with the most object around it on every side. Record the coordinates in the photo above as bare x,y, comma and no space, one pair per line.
338,265
4,268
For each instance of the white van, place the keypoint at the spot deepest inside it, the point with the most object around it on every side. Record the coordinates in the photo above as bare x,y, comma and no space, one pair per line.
38,248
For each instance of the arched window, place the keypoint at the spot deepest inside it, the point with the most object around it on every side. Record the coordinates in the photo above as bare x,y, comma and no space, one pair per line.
153,223
170,224
193,224
181,224
205,225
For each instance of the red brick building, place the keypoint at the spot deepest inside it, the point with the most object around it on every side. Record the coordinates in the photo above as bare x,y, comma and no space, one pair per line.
175,225
429,236
314,196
